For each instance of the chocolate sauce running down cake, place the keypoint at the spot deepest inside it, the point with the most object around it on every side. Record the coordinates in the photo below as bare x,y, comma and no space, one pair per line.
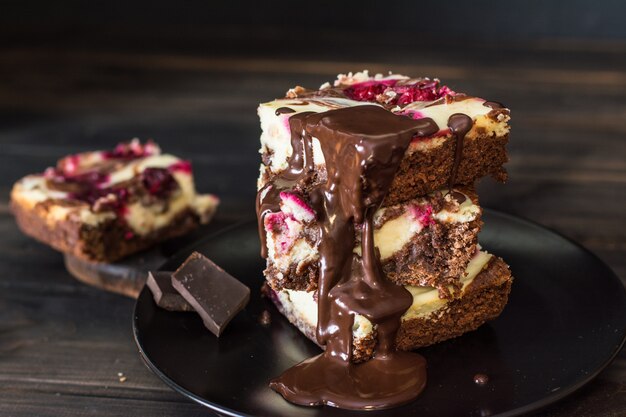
358,183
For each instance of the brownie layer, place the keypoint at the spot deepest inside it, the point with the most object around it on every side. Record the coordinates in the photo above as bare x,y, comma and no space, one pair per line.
107,241
435,257
423,172
481,300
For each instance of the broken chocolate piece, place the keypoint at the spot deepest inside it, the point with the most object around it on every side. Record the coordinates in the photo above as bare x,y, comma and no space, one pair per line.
215,295
481,379
265,319
165,296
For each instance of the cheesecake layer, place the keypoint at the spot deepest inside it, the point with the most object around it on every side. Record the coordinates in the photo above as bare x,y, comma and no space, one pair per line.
426,241
104,205
429,163
485,286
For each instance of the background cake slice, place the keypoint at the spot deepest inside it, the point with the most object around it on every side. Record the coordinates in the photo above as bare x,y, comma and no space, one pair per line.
429,163
104,205
486,284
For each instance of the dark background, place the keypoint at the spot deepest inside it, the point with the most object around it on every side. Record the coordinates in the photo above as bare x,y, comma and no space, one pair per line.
471,20
81,75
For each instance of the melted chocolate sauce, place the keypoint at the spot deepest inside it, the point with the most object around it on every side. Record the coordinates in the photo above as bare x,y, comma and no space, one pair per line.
481,379
493,104
459,197
283,110
363,147
459,125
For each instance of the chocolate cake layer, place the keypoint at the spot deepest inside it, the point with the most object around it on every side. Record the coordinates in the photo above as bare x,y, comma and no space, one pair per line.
427,241
104,205
429,320
424,172
106,242
483,300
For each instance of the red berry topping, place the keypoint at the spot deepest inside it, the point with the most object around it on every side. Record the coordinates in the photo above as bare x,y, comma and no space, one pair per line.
423,214
368,90
103,199
69,165
424,90
397,92
159,182
131,150
181,166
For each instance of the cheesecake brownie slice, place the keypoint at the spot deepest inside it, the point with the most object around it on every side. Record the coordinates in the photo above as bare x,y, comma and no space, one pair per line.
485,287
426,241
458,154
104,205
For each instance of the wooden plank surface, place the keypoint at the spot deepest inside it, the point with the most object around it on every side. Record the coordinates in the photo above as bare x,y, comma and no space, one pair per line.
62,343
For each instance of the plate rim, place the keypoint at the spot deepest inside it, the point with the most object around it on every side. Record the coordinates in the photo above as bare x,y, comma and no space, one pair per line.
550,399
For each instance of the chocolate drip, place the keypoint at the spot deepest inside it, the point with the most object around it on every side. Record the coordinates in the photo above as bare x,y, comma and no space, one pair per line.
283,110
493,105
459,125
363,147
391,377
459,197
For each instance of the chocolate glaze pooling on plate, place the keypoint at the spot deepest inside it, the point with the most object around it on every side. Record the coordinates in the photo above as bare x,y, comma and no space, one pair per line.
363,147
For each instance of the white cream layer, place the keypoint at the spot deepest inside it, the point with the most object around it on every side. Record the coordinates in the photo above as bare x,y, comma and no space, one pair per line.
33,189
275,131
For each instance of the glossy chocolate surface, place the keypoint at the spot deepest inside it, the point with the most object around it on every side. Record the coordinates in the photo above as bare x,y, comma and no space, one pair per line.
213,293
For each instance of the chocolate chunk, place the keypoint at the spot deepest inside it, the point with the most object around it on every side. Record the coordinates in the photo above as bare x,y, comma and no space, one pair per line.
459,197
215,295
284,110
494,105
165,296
265,319
481,379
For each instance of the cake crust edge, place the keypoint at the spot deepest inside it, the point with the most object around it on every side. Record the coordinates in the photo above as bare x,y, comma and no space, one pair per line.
105,242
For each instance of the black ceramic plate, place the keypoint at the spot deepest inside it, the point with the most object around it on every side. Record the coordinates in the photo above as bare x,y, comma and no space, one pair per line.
565,321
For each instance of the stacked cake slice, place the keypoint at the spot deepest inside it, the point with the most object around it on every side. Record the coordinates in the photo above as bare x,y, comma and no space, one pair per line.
426,231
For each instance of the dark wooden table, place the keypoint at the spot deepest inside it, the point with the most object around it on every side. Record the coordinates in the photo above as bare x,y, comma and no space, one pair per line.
62,343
